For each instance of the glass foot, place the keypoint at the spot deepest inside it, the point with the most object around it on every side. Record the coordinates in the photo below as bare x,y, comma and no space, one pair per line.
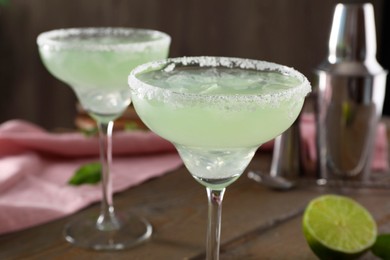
83,232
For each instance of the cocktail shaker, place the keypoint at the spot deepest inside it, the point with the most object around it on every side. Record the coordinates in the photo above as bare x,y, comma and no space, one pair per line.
349,91
286,156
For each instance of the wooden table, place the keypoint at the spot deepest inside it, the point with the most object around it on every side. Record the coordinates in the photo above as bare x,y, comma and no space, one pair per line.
257,222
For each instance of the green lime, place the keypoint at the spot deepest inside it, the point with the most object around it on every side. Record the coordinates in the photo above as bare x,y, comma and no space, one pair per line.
381,248
337,227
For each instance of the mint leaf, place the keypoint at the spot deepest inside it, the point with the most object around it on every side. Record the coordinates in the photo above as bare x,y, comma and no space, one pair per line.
131,126
90,173
90,131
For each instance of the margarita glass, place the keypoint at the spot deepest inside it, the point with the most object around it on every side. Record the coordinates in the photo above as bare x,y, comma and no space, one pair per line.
95,62
217,111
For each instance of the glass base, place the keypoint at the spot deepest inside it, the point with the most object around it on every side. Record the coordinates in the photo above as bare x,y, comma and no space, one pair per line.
83,232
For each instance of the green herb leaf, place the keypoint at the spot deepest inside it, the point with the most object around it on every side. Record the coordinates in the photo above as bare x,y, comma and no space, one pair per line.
381,248
131,126
90,173
90,131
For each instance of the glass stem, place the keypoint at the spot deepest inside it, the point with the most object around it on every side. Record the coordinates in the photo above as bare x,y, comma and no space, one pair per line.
107,220
215,198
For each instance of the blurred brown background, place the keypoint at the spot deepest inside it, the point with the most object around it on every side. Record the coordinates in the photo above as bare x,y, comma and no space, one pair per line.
293,33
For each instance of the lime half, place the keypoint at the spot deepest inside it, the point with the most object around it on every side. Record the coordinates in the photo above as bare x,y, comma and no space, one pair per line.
337,227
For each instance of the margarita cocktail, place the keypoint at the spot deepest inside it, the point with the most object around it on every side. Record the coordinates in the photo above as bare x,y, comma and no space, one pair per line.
95,62
217,111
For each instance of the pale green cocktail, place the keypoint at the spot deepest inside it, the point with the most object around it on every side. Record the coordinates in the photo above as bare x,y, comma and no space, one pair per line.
95,62
217,112
96,66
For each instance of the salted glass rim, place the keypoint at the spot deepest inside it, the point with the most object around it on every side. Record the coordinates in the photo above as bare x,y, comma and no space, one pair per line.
54,38
149,91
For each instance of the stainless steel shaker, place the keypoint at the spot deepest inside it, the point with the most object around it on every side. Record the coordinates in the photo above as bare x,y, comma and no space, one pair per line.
286,157
350,91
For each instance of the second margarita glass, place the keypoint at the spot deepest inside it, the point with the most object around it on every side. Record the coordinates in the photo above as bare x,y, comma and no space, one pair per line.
95,62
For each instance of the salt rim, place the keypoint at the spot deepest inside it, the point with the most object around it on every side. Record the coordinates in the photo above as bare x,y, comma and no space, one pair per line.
49,39
144,90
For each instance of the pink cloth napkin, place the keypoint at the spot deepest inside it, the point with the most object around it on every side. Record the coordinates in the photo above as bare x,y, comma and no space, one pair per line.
35,166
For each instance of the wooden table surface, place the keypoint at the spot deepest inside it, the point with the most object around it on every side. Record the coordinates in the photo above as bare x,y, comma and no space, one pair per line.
257,222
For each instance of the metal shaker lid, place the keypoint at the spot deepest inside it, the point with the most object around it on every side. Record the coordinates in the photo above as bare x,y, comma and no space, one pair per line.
352,42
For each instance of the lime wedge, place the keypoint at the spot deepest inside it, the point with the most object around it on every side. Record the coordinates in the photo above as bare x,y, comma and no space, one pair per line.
337,227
